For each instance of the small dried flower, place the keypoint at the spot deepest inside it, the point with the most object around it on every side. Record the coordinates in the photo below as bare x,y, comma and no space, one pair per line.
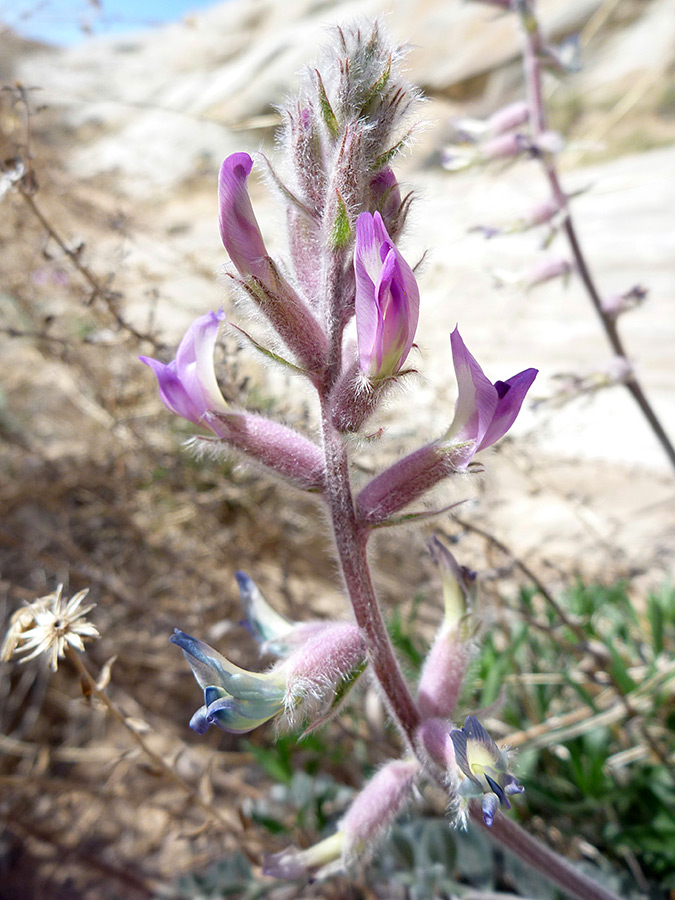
48,625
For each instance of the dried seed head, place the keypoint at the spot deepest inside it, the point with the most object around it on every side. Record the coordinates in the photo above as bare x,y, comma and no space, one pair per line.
49,625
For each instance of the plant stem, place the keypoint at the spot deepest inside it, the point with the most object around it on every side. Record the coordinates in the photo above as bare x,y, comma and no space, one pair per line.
533,48
531,851
351,542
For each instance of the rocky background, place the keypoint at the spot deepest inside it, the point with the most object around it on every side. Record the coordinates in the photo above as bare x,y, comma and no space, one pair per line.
113,248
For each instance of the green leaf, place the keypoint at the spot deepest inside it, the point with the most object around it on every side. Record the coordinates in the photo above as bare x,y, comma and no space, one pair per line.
656,622
619,671
341,232
275,760
327,113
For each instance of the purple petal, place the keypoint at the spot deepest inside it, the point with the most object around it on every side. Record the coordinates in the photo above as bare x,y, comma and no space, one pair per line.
238,226
476,396
200,722
387,299
188,385
386,193
172,391
511,396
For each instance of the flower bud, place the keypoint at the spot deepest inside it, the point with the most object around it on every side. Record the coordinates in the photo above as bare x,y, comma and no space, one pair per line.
547,269
238,226
513,115
452,650
616,304
385,198
539,214
387,300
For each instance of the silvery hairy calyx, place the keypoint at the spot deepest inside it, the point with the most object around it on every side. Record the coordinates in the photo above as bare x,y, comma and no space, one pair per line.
342,309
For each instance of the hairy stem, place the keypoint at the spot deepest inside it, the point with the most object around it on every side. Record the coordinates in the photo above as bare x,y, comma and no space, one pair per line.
533,47
531,851
351,542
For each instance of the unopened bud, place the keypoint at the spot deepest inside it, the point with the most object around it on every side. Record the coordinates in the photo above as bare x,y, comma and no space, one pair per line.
540,213
509,117
616,304
452,650
375,809
547,269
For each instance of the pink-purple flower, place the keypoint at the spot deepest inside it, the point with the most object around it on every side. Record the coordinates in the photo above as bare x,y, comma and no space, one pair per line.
387,300
238,226
484,411
187,385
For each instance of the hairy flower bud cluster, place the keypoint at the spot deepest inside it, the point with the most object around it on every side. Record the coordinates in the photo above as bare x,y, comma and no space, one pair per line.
345,213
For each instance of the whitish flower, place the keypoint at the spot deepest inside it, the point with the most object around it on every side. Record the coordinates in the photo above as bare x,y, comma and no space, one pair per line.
483,768
48,625
307,686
